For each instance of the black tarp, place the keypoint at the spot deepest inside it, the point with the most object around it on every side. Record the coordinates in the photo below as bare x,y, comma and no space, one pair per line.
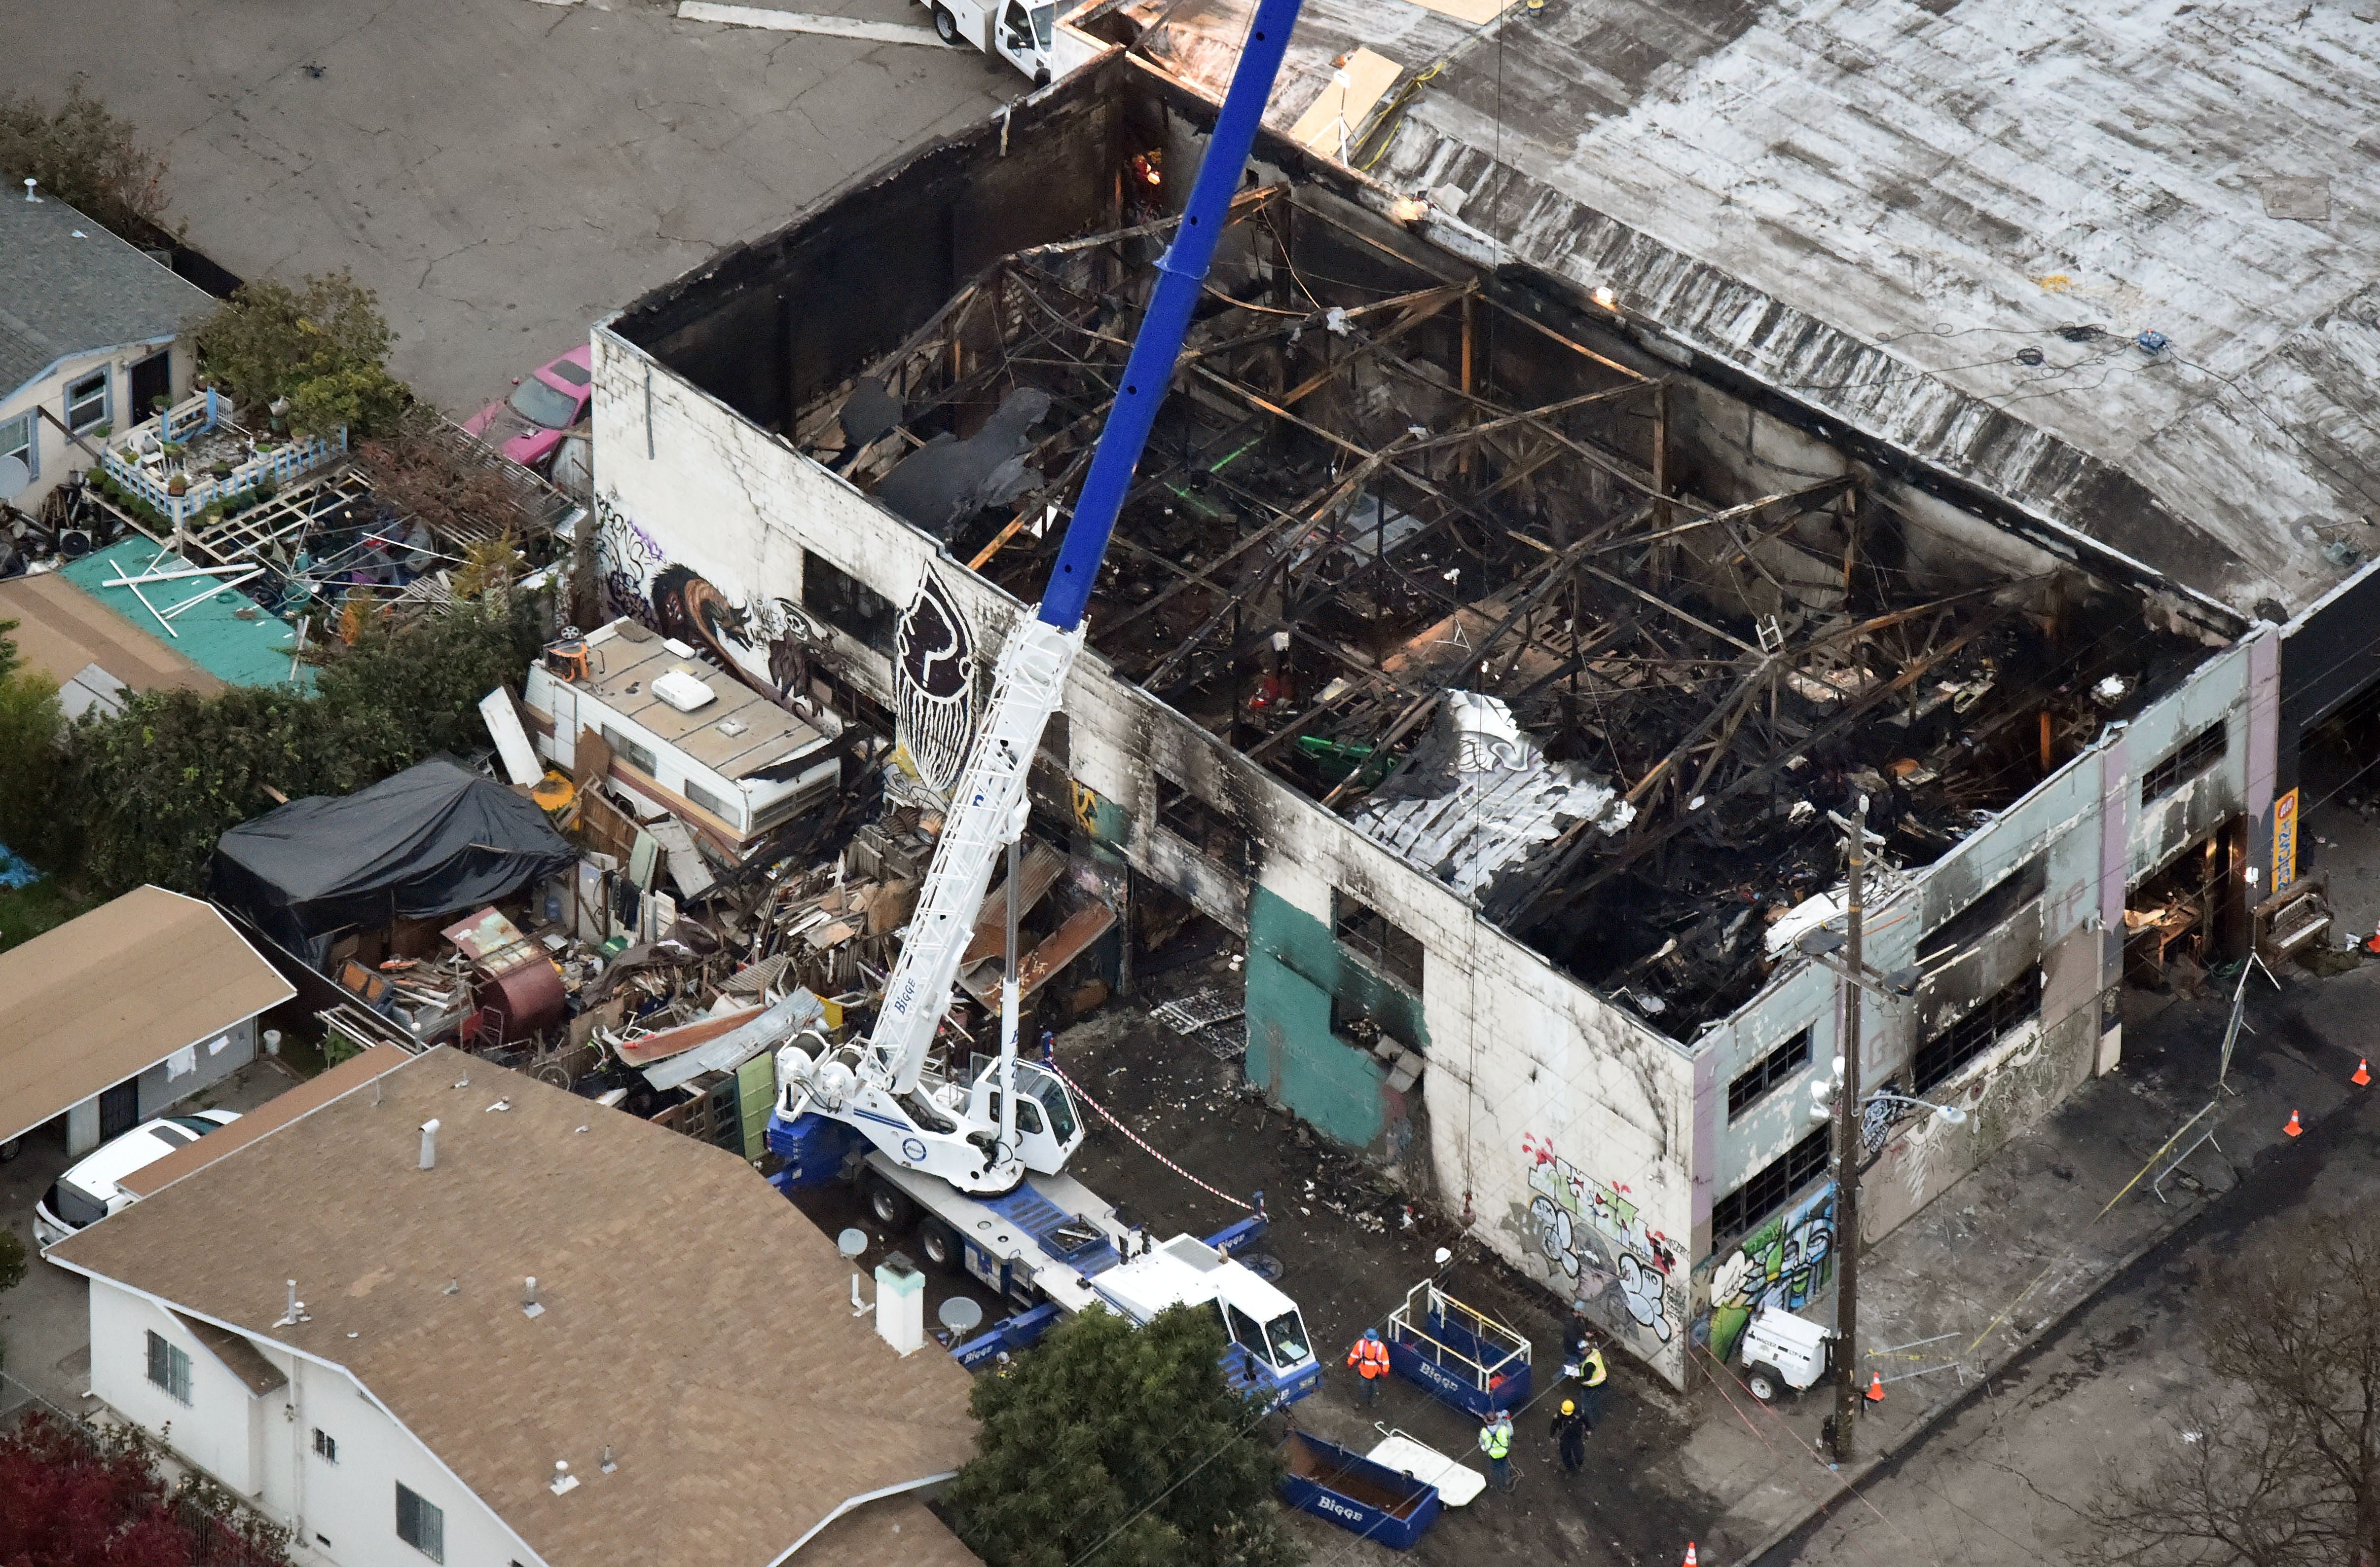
436,839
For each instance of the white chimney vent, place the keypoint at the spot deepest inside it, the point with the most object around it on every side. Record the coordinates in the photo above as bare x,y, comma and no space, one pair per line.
563,1480
430,1144
901,1303
530,1307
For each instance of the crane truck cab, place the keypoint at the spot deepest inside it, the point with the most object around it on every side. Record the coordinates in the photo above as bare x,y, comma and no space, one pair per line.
1015,31
1271,1355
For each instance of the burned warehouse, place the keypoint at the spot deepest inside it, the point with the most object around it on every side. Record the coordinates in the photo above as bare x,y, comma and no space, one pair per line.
1499,672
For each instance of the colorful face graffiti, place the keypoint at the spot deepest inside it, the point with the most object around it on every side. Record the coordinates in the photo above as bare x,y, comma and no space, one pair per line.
767,643
1599,1249
1784,1263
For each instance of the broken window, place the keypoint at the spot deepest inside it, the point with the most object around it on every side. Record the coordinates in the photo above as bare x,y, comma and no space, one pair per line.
1770,1071
1368,933
2194,756
1774,1185
1204,828
1962,1042
2003,898
636,753
847,604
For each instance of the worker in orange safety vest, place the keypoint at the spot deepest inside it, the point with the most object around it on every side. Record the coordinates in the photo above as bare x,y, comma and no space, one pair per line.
1370,1359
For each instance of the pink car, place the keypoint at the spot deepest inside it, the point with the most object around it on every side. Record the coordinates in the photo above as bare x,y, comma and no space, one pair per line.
530,424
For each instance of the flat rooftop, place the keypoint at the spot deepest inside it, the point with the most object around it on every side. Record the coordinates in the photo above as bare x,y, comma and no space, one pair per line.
1947,225
202,619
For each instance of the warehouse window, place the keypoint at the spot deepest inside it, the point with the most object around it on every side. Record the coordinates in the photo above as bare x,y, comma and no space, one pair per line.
2003,898
1203,827
1973,1035
1367,932
1776,1068
170,1369
420,1523
2189,760
1774,1185
847,604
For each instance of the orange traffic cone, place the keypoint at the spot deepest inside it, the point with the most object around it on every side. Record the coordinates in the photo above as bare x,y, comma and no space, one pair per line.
1876,1387
1690,1553
2293,1129
2362,1072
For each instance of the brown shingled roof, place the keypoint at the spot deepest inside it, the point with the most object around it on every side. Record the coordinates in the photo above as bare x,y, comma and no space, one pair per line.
694,1319
272,1115
109,995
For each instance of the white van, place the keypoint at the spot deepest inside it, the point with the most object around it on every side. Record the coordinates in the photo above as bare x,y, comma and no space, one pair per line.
89,1192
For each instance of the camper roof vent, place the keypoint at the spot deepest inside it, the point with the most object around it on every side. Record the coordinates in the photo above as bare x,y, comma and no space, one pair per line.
682,691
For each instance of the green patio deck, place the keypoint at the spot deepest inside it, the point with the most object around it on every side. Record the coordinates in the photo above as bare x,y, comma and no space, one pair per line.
224,631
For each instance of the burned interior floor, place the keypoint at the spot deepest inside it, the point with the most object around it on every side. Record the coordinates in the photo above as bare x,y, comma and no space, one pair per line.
1454,561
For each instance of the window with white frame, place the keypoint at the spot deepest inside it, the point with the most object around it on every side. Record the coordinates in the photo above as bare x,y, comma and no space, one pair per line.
327,1446
420,1523
87,402
20,438
169,1368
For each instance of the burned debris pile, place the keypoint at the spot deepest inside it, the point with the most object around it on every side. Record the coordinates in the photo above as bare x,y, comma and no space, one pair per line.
1442,554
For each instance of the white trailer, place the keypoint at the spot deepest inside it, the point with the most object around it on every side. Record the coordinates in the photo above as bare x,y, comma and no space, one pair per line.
1016,32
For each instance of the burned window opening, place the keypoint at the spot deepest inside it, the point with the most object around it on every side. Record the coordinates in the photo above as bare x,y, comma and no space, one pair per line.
1204,828
847,604
1775,1185
1779,1066
2000,900
1940,1058
1372,936
2189,760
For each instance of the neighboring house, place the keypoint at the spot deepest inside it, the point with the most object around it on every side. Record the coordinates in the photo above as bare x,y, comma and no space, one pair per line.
561,1285
93,331
112,1017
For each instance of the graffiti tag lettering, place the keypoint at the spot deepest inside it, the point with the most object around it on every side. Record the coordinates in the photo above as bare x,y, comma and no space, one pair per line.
1609,1258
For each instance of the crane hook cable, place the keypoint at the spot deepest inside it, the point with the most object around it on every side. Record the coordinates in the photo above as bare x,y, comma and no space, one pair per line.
1051,1067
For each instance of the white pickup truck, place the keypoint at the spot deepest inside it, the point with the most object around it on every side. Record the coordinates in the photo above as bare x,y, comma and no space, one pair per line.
1015,31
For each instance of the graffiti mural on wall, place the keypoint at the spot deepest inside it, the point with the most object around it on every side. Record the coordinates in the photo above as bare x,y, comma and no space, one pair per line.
1607,1259
933,684
768,643
1785,1263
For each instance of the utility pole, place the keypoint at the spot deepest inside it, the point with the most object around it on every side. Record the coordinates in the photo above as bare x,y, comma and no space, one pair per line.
1847,1157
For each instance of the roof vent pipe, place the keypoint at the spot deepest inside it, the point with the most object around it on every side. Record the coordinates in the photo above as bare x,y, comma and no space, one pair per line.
530,1307
430,1144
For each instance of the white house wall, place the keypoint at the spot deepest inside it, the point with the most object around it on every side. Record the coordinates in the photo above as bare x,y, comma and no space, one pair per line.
58,454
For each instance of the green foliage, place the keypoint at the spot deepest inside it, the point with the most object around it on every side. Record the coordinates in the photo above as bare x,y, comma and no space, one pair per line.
1125,1440
12,1260
154,787
32,732
86,156
323,345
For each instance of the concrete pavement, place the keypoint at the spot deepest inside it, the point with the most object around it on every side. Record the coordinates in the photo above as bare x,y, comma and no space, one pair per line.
503,172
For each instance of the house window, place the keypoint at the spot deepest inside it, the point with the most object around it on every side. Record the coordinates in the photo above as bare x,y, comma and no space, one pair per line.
420,1525
1774,1186
1203,827
87,402
1769,1072
2194,756
703,799
2003,898
327,1446
847,604
19,440
1962,1042
169,1368
1366,933
634,752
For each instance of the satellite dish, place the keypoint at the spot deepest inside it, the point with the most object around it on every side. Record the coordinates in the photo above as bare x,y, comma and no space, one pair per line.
959,1315
851,1243
14,477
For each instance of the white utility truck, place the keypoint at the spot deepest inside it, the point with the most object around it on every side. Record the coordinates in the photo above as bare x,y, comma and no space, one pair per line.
1016,32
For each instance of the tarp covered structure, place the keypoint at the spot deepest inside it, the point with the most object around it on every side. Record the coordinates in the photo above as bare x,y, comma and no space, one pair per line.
436,839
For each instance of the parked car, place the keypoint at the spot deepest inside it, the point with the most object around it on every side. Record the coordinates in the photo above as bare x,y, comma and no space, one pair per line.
553,398
89,1192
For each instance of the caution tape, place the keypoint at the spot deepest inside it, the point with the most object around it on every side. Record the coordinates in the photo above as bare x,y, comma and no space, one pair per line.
1137,1141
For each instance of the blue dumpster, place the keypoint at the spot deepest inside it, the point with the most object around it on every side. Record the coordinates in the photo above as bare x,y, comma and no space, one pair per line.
1369,1500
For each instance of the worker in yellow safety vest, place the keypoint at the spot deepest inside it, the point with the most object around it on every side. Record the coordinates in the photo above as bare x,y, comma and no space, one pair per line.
1370,1359
1496,1441
1592,1374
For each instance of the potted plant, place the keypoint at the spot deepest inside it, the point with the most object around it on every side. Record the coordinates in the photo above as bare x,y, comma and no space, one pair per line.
179,484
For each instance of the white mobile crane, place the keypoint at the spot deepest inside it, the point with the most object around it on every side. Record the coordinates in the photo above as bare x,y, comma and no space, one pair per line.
978,1159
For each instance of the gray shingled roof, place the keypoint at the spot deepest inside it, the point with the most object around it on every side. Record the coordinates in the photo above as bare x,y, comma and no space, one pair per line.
69,286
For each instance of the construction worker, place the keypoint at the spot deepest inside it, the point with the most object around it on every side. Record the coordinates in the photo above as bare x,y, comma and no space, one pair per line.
1370,1359
1570,1428
1592,1374
1496,1441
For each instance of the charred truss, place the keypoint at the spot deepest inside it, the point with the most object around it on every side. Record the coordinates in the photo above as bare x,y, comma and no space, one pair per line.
1376,485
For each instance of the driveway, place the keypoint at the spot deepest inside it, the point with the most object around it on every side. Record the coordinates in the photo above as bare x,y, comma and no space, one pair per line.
503,172
45,1322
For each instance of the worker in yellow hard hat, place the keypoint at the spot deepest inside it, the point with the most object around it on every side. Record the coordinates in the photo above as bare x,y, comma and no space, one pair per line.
1570,1429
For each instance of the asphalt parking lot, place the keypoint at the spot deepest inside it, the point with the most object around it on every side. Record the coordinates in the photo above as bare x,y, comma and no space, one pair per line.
503,172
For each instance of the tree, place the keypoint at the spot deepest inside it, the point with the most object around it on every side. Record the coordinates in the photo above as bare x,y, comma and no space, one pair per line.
2284,1470
324,345
31,728
86,156
1125,1441
72,1498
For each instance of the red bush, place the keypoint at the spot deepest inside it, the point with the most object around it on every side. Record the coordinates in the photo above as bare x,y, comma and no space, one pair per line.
63,1503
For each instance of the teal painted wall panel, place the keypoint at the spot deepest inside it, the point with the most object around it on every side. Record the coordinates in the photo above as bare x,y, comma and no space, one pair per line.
1294,967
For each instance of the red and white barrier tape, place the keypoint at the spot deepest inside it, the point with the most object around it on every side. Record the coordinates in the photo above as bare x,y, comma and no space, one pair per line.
1109,1117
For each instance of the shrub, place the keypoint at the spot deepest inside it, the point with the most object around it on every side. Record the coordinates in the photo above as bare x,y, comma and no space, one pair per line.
324,345
87,156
